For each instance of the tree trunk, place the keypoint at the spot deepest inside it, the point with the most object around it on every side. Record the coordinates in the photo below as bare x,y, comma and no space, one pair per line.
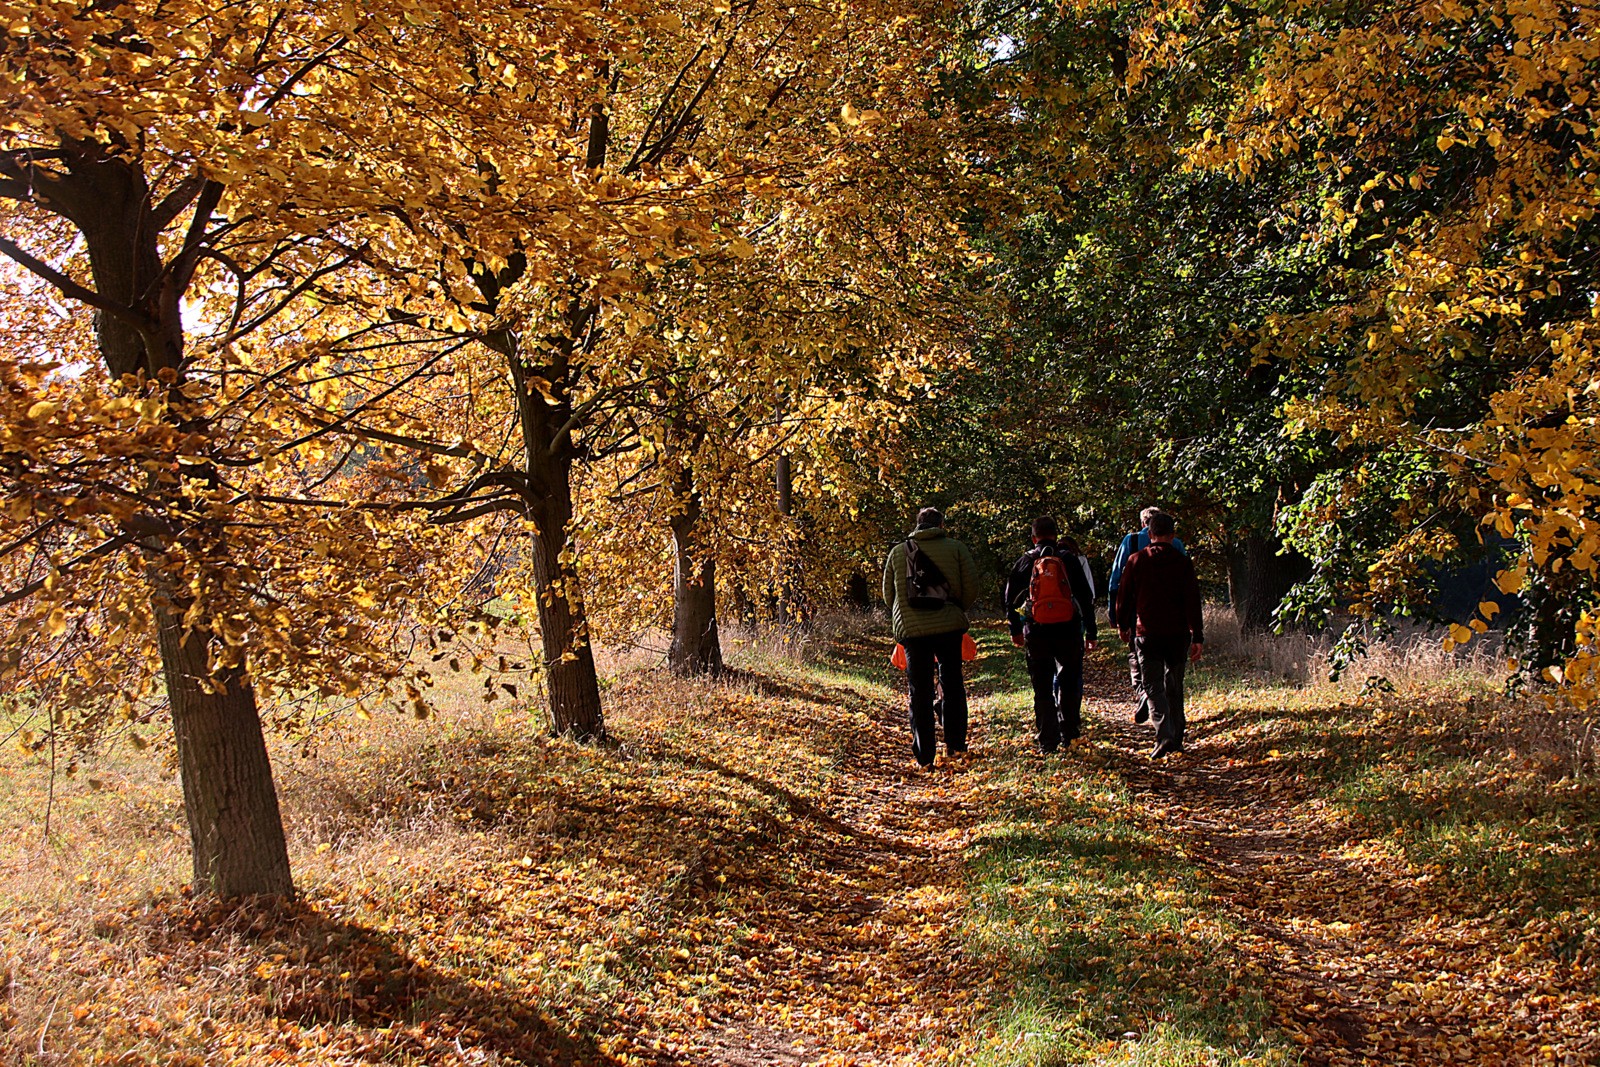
570,678
784,478
235,828
1543,623
858,591
744,609
547,423
696,648
787,607
1259,576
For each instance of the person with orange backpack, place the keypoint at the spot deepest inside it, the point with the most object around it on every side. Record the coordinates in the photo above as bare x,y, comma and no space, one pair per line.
1051,610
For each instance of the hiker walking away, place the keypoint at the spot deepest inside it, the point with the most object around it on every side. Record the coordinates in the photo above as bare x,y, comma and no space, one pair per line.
1050,605
1133,542
1158,612
929,582
1069,546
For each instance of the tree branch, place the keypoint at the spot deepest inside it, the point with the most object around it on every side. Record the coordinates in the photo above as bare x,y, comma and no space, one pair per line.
102,549
173,203
70,288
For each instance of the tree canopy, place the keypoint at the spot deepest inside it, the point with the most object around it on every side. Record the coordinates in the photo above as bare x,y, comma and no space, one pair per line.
344,342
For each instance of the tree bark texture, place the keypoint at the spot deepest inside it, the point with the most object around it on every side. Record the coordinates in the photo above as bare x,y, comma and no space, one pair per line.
695,648
570,678
783,476
234,822
1259,577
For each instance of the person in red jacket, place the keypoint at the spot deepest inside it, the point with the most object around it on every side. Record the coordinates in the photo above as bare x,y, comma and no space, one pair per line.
1158,613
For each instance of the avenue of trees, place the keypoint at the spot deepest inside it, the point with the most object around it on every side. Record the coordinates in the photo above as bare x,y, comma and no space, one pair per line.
343,339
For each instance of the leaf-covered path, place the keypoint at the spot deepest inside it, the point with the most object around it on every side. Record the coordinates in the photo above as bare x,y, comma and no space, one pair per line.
1363,955
1359,953
1356,952
865,963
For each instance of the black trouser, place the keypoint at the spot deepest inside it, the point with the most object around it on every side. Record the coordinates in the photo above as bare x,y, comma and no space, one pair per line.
922,653
1055,666
1160,667
1135,681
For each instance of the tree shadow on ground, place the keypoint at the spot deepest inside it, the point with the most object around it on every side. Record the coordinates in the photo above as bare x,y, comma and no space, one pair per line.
749,810
1081,912
353,987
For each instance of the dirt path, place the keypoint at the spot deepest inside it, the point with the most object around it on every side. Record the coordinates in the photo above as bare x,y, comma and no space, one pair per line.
763,878
1367,959
865,963
1361,957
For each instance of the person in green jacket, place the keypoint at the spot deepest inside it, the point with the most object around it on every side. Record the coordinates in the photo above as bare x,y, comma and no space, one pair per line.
931,631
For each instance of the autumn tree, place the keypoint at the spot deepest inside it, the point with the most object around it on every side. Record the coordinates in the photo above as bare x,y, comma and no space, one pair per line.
690,147
1456,142
215,472
141,467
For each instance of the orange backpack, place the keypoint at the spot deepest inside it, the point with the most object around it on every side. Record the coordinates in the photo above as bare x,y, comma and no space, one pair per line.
1049,593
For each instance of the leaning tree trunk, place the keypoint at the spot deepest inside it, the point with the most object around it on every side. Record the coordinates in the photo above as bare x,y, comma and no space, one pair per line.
235,827
234,822
695,648
1259,576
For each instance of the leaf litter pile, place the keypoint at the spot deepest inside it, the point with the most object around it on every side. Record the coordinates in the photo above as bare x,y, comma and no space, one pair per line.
753,877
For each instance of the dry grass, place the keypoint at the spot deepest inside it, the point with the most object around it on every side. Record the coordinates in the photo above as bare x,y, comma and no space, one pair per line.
476,892
1411,654
1412,663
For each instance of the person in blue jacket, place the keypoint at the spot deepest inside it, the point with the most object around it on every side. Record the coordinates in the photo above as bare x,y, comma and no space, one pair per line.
1133,542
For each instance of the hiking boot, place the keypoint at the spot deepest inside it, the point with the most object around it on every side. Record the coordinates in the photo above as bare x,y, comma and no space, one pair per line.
1165,748
1142,714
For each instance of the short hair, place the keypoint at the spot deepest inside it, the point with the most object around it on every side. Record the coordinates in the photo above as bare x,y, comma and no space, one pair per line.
1144,516
1071,545
1045,528
930,517
1162,525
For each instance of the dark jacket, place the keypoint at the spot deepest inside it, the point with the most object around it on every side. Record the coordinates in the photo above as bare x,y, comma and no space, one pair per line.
1160,596
955,560
1021,577
1134,542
